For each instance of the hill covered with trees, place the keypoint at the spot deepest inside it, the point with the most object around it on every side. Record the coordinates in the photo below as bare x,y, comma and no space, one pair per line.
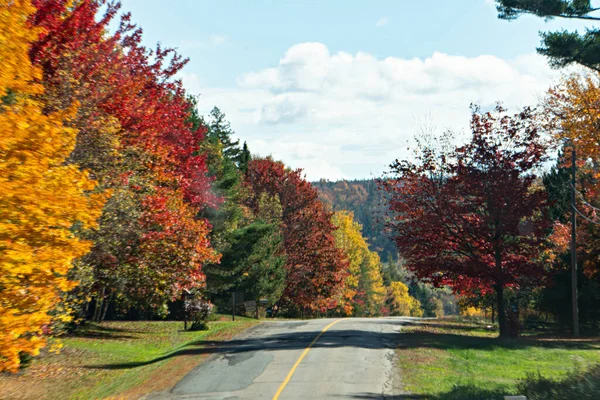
366,202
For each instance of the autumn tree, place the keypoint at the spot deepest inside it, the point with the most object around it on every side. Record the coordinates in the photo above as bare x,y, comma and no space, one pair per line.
400,303
572,109
43,202
561,47
136,139
472,218
363,290
315,267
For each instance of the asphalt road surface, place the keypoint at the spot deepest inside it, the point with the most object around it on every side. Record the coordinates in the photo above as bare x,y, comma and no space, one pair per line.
317,359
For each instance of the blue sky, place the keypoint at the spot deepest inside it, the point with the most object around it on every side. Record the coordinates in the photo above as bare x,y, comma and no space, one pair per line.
340,87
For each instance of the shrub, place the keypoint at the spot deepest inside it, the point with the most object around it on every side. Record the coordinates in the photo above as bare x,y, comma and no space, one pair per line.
199,311
578,384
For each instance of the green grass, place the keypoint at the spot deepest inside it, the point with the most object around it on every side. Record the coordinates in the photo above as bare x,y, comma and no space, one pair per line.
448,359
119,359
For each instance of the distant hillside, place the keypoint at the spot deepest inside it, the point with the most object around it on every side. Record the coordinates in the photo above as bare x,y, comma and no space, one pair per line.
362,198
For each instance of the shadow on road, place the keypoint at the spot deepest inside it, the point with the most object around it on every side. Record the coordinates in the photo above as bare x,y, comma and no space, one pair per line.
277,342
356,338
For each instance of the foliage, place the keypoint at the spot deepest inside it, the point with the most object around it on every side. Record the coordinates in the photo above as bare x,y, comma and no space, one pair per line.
399,302
136,139
456,223
363,290
254,262
578,384
362,198
561,47
231,217
199,311
434,302
316,268
43,202
573,113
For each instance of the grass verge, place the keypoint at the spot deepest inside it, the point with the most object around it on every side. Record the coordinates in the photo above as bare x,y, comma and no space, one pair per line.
121,359
448,359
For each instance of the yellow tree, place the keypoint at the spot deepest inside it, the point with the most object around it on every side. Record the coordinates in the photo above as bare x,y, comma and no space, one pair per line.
42,200
573,109
402,303
364,289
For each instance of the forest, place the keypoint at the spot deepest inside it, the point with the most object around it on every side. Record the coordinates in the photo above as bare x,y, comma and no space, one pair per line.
119,200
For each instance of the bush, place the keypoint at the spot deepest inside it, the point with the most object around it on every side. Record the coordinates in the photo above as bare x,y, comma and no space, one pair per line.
199,311
577,385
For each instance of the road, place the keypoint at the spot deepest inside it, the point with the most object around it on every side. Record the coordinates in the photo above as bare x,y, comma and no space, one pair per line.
316,359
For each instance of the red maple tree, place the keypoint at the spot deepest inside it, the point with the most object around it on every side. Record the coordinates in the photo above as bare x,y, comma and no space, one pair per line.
472,218
316,268
152,160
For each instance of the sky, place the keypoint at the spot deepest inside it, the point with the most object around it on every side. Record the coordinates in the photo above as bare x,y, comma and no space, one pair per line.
339,88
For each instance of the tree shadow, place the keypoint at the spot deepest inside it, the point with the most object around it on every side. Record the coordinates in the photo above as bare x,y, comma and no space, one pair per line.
95,331
354,338
444,341
457,327
577,384
464,392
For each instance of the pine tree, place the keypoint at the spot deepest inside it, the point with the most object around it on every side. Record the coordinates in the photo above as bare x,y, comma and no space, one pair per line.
561,47
219,130
245,158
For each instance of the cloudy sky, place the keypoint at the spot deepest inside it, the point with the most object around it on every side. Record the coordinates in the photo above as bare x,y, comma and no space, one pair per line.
340,87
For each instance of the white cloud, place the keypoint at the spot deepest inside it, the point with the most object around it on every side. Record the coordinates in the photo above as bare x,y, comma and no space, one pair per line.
212,41
382,22
348,115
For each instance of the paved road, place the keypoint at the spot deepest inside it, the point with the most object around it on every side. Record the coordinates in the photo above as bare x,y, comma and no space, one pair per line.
353,358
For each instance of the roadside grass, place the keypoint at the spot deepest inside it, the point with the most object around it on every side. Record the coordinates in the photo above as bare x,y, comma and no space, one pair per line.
118,359
448,359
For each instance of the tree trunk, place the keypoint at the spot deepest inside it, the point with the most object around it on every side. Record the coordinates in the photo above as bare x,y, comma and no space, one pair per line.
105,308
493,314
98,305
501,311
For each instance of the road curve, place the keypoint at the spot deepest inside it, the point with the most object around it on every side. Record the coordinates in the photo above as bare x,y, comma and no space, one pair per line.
352,359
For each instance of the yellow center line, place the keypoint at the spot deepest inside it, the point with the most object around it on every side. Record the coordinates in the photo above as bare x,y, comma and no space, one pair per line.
304,353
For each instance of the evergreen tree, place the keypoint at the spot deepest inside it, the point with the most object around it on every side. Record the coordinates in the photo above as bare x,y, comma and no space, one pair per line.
219,130
245,158
557,184
561,47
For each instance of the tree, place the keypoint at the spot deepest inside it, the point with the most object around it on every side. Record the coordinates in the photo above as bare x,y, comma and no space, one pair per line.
572,108
364,268
562,47
400,303
472,218
136,137
254,258
315,267
219,130
573,113
43,202
245,158
367,203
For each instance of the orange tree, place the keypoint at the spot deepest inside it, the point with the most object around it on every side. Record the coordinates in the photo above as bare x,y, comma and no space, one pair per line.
136,138
43,202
